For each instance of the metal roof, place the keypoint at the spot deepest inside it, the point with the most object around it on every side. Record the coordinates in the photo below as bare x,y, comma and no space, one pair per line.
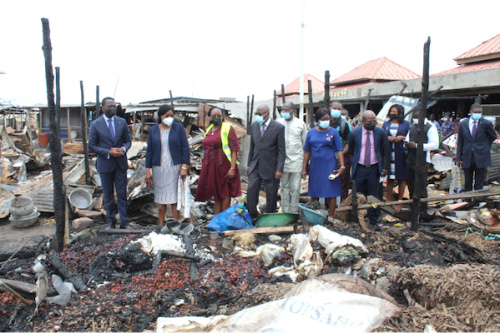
381,69
293,88
487,50
479,66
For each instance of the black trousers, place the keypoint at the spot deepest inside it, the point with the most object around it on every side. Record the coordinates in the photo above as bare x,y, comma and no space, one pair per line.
271,186
367,183
476,174
411,170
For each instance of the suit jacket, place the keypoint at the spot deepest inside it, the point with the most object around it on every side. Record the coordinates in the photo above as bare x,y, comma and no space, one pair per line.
177,144
267,154
381,148
479,146
100,142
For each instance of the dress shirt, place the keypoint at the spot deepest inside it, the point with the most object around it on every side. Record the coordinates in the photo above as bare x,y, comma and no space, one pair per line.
432,140
114,130
295,138
373,154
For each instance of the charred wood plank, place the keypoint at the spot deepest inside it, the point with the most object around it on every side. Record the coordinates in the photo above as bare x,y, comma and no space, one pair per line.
193,270
468,249
74,278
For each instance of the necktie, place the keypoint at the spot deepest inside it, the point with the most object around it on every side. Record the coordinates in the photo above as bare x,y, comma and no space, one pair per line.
111,129
474,130
262,130
368,146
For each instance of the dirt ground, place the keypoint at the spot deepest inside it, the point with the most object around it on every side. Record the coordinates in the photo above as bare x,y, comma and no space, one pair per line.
436,282
11,238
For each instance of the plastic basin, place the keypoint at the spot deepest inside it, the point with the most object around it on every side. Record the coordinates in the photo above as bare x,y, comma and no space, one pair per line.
275,220
310,215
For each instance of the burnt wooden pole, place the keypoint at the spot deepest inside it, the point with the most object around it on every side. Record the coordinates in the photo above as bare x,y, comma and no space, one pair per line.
421,160
58,102
84,137
172,100
97,103
55,146
251,109
327,89
283,99
248,114
274,105
310,113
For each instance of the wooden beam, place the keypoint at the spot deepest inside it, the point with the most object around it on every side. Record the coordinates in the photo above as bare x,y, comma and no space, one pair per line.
267,230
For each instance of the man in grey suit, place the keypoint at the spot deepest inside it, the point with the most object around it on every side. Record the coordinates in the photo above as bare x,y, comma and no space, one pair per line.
109,138
266,159
475,136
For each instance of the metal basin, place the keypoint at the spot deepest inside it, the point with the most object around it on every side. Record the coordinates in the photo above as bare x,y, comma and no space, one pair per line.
21,206
25,221
80,198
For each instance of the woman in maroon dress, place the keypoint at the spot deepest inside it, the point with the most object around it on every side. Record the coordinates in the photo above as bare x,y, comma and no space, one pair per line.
219,178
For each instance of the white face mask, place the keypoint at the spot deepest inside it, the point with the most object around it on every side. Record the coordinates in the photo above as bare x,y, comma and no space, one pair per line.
415,121
168,121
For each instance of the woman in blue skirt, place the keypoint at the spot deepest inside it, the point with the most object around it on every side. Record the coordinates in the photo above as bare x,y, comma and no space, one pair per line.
323,148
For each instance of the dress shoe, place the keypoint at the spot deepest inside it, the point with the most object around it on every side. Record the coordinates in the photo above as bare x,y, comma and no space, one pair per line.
126,227
109,227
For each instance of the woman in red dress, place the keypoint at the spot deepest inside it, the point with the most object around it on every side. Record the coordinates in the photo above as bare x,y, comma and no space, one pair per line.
219,178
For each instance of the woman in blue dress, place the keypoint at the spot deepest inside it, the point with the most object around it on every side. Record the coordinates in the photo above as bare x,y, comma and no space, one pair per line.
396,129
324,149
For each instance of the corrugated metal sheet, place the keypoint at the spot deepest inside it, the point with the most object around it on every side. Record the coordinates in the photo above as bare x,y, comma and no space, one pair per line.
377,69
41,191
491,46
471,67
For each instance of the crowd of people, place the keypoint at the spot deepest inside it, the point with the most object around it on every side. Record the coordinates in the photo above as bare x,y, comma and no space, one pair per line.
283,152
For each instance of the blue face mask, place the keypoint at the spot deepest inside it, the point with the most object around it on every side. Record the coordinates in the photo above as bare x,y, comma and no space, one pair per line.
259,119
285,115
324,124
335,113
476,116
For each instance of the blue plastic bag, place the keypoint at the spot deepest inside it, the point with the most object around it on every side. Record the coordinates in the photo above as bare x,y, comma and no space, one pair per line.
233,218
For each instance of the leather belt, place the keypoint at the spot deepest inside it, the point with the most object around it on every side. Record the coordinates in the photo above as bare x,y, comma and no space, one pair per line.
367,167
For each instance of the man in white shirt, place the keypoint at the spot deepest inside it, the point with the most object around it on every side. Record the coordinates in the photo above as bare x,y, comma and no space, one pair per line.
431,142
295,138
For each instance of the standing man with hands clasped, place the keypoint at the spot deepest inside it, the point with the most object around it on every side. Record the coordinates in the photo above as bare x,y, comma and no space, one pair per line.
109,138
266,160
370,160
295,138
475,136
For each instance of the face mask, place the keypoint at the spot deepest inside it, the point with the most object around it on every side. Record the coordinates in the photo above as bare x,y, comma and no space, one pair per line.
324,123
285,115
476,116
110,112
216,121
370,126
168,121
393,116
445,119
335,113
415,121
259,119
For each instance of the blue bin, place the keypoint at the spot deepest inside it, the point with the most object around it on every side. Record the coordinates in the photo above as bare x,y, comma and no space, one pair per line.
310,215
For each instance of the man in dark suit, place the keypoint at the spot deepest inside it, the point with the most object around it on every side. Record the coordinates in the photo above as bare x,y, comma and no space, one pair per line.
109,138
370,159
475,136
266,159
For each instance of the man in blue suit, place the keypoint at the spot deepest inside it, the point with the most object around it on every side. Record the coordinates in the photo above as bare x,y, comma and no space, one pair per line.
109,138
475,136
370,159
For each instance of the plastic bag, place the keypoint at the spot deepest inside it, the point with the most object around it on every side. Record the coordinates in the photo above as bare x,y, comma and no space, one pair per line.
233,218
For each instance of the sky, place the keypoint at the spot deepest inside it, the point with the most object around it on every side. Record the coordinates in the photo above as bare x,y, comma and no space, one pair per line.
139,50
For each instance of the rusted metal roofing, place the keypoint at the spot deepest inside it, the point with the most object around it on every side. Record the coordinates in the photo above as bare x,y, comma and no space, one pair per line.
381,69
480,66
487,50
293,88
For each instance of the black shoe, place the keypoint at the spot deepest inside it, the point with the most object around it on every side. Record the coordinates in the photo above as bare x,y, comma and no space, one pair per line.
110,227
126,227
